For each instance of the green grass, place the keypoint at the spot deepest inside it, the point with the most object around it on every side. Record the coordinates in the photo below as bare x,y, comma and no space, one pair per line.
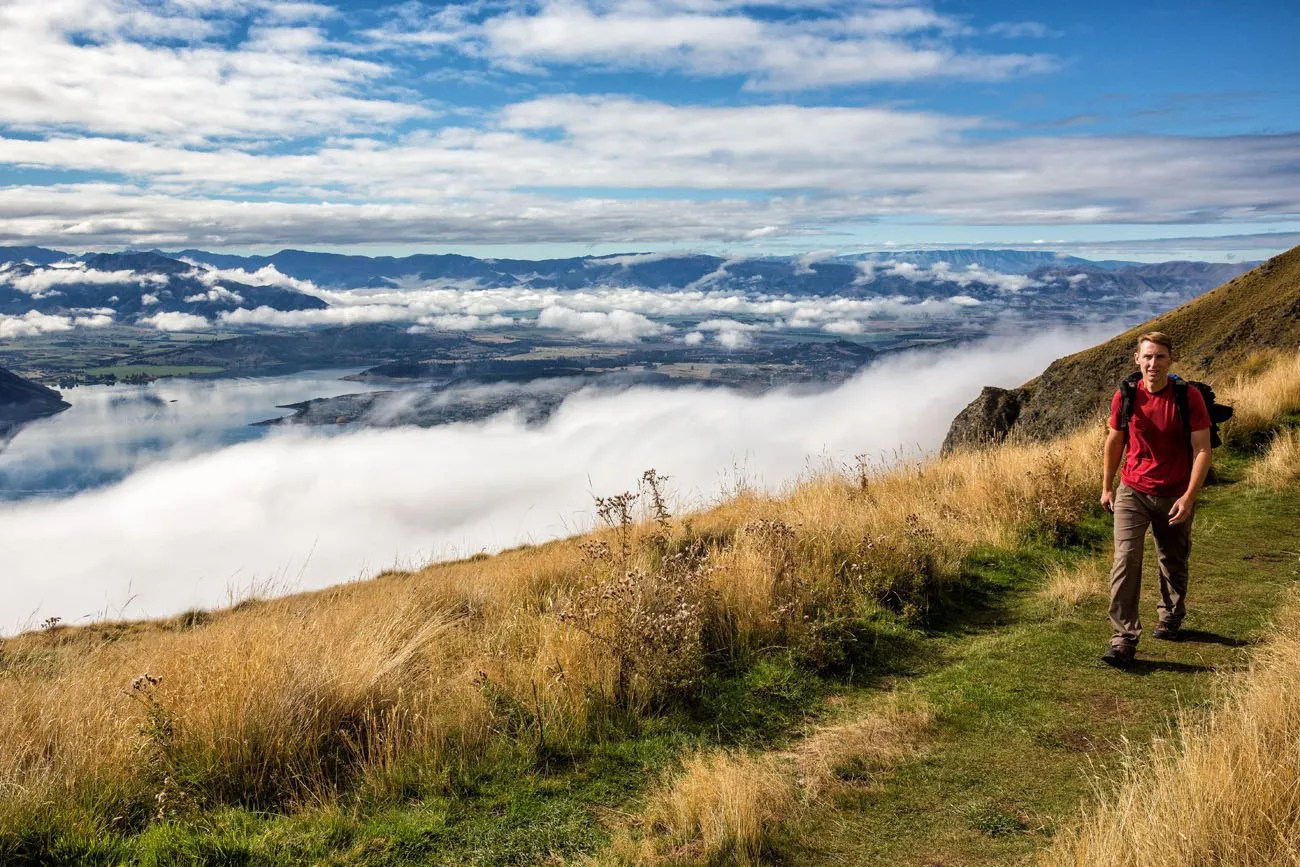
1028,724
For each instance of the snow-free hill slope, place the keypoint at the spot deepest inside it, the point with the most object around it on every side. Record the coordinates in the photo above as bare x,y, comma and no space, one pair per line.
1214,335
22,400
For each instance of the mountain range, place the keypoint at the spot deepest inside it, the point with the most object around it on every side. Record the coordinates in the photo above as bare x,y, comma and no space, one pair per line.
135,287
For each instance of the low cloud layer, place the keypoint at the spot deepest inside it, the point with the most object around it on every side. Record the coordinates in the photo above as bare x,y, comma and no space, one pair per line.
34,322
301,510
613,314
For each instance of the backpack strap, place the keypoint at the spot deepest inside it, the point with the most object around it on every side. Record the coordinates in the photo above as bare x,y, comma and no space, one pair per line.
1127,402
1184,410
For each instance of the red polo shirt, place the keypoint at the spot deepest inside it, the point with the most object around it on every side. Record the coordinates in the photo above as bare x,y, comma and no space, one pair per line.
1158,462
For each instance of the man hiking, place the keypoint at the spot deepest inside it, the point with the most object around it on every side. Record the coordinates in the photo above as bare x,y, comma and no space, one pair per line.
1168,458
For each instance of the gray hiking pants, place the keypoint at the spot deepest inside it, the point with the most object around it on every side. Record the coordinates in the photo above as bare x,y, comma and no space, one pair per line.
1134,512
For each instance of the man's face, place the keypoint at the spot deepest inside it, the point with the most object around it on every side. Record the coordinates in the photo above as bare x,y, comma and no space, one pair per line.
1153,360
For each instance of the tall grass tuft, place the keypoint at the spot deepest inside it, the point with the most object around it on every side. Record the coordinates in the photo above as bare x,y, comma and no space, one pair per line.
724,809
1225,791
1260,401
1280,464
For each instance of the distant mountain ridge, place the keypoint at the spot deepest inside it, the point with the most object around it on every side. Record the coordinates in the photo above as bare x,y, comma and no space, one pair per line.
149,284
191,281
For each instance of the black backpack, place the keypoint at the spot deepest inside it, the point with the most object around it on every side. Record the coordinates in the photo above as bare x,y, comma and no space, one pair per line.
1218,412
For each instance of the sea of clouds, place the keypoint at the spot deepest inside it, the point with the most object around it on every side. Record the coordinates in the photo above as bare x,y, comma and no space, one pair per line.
299,510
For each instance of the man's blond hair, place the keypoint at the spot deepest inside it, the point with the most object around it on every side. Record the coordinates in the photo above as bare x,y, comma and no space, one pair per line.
1157,337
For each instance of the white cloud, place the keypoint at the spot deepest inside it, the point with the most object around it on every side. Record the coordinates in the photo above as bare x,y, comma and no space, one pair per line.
32,323
890,43
615,326
942,272
312,318
173,321
216,294
91,65
270,513
267,275
843,326
729,333
264,127
39,281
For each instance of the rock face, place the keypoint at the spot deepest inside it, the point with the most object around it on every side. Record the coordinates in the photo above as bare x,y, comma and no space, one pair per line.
22,400
988,419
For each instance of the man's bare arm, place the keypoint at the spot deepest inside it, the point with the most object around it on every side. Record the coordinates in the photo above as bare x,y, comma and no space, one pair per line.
1111,454
1182,508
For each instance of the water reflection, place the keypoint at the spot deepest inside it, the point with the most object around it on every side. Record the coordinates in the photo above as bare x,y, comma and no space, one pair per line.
112,431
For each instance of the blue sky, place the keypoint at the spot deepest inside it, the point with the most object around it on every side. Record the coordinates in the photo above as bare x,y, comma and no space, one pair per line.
1149,130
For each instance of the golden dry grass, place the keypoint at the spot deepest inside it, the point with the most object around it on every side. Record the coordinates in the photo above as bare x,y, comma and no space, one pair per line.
353,689
726,807
367,688
722,809
1226,792
1068,587
855,751
1280,465
1260,400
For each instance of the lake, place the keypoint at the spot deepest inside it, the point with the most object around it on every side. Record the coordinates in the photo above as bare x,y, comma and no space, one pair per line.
113,431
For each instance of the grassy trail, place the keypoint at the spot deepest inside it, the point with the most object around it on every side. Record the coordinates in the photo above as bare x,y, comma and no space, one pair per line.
1026,718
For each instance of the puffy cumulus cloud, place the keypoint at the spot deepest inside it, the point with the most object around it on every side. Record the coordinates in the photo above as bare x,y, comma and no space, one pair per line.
835,45
216,294
729,333
267,275
843,326
204,69
614,326
943,272
269,512
312,318
805,261
33,322
40,282
467,322
174,321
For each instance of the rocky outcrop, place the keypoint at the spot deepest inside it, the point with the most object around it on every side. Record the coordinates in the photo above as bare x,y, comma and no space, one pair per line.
988,419
22,400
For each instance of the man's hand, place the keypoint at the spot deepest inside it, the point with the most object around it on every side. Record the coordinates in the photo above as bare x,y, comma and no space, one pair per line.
1182,509
1108,501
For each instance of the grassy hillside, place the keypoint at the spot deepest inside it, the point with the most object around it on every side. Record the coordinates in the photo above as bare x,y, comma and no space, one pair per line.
879,665
1216,336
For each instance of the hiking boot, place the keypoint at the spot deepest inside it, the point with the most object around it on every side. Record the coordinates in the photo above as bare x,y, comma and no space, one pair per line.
1118,657
1165,632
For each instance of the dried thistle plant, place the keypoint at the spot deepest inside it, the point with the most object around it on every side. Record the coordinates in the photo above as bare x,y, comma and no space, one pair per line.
647,614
